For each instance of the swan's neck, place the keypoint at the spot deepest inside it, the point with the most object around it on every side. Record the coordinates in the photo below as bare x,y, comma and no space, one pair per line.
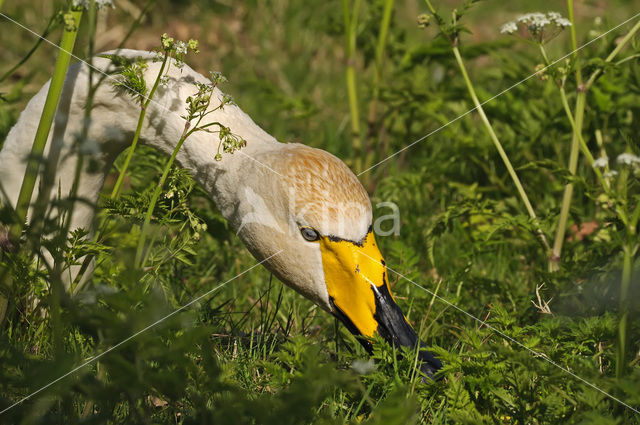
113,120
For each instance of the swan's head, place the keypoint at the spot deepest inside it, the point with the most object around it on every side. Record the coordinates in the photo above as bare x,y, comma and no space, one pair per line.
312,211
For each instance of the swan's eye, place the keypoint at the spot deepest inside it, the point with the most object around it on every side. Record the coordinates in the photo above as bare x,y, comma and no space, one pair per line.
309,234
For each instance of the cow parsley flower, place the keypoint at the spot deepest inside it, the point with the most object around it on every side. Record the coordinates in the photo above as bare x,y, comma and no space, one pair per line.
509,28
181,47
535,22
99,3
558,20
601,162
540,26
610,174
628,159
554,15
158,56
176,49
164,81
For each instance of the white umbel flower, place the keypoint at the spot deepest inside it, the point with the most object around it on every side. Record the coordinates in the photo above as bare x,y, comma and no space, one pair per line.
181,47
601,162
539,25
628,159
558,20
535,22
509,28
99,3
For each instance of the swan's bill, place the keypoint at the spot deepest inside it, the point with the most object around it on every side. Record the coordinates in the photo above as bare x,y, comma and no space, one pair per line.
356,277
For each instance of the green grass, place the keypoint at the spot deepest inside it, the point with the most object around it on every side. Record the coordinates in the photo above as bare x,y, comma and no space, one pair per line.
255,351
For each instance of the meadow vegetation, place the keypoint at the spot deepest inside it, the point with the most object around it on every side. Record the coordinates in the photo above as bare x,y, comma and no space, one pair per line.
516,261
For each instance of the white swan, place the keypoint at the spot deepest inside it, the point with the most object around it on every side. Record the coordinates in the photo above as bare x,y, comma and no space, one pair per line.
302,203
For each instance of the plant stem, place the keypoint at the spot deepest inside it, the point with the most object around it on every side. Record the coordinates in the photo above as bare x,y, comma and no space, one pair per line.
568,189
381,44
92,17
134,143
628,252
567,196
350,24
574,41
46,119
582,144
57,285
42,135
188,130
377,76
431,8
156,194
543,52
498,145
70,32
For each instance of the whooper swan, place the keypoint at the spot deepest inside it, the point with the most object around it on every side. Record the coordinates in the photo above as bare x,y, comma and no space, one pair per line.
300,202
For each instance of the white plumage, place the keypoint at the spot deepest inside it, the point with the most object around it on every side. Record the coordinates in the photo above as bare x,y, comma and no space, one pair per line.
268,191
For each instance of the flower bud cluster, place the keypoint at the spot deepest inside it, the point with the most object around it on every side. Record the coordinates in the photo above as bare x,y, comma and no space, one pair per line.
176,49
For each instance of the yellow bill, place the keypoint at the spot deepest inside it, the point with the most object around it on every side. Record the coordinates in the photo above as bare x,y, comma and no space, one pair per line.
356,278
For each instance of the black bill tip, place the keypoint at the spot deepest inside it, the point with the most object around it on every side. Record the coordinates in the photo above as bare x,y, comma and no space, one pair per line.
394,328
429,364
